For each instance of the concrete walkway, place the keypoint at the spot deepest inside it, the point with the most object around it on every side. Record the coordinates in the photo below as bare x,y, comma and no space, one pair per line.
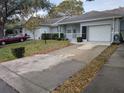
43,73
111,78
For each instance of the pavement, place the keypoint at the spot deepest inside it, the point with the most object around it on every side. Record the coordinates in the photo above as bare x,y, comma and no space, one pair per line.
111,77
43,73
5,88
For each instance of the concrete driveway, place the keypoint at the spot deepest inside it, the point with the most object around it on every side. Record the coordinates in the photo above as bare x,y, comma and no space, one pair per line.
110,78
43,73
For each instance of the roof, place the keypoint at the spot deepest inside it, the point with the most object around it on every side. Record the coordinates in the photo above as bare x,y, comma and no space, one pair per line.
52,21
89,16
119,11
93,15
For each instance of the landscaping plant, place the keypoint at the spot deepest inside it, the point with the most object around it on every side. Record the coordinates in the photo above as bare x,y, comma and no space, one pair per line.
18,52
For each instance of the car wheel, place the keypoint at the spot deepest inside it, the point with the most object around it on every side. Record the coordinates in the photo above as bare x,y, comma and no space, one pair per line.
3,43
21,40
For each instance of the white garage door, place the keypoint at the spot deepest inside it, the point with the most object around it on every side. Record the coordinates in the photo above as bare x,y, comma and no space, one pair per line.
100,33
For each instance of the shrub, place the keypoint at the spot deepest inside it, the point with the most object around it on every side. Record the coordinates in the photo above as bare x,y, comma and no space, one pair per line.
66,39
55,36
62,35
9,31
59,39
52,36
79,39
46,36
18,52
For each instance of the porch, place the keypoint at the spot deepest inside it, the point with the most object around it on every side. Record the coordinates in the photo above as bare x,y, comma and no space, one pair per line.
71,31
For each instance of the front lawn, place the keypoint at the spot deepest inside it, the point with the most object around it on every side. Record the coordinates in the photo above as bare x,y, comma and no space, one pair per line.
31,48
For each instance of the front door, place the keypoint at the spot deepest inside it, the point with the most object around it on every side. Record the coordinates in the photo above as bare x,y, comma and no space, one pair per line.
84,32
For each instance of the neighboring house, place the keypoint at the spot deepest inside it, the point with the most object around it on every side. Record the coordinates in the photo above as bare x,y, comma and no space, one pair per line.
49,26
94,26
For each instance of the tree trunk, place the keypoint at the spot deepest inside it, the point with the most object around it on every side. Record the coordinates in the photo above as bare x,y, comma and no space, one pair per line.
34,35
1,29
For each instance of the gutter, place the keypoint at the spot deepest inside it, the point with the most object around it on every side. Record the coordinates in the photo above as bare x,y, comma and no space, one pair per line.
89,20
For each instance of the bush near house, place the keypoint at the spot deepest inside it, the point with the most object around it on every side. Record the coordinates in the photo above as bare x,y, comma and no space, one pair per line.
79,39
52,36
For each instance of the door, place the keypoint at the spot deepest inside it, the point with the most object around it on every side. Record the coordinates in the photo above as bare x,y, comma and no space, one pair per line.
84,32
100,33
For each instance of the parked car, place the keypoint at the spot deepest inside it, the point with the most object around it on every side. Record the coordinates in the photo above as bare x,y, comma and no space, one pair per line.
13,39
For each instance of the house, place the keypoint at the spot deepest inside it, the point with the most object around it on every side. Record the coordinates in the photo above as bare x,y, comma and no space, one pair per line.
94,26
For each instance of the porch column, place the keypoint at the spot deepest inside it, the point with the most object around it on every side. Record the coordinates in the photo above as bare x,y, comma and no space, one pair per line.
65,31
59,30
80,30
72,34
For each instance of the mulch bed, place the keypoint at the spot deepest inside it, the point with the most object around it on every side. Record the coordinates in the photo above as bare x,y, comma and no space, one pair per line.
81,79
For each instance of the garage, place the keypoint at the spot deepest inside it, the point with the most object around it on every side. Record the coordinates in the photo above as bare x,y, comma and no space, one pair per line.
100,33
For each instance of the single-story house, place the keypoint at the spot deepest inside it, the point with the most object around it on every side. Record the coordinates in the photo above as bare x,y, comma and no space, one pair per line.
94,26
49,26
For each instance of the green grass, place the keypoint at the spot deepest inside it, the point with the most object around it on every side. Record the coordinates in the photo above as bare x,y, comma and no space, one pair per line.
31,48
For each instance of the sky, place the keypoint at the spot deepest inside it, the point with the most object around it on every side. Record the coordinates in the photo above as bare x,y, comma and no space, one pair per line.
98,5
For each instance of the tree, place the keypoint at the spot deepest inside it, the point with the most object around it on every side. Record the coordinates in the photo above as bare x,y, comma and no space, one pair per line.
67,8
33,23
21,7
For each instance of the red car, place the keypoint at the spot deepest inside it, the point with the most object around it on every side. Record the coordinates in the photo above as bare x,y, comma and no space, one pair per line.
12,39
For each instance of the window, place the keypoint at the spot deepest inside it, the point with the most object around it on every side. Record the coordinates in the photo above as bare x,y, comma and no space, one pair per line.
74,33
74,30
122,25
68,31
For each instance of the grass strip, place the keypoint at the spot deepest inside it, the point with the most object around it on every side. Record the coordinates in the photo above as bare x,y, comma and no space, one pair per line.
81,79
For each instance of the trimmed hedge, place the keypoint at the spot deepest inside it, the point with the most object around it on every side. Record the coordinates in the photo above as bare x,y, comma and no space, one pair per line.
18,52
52,36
